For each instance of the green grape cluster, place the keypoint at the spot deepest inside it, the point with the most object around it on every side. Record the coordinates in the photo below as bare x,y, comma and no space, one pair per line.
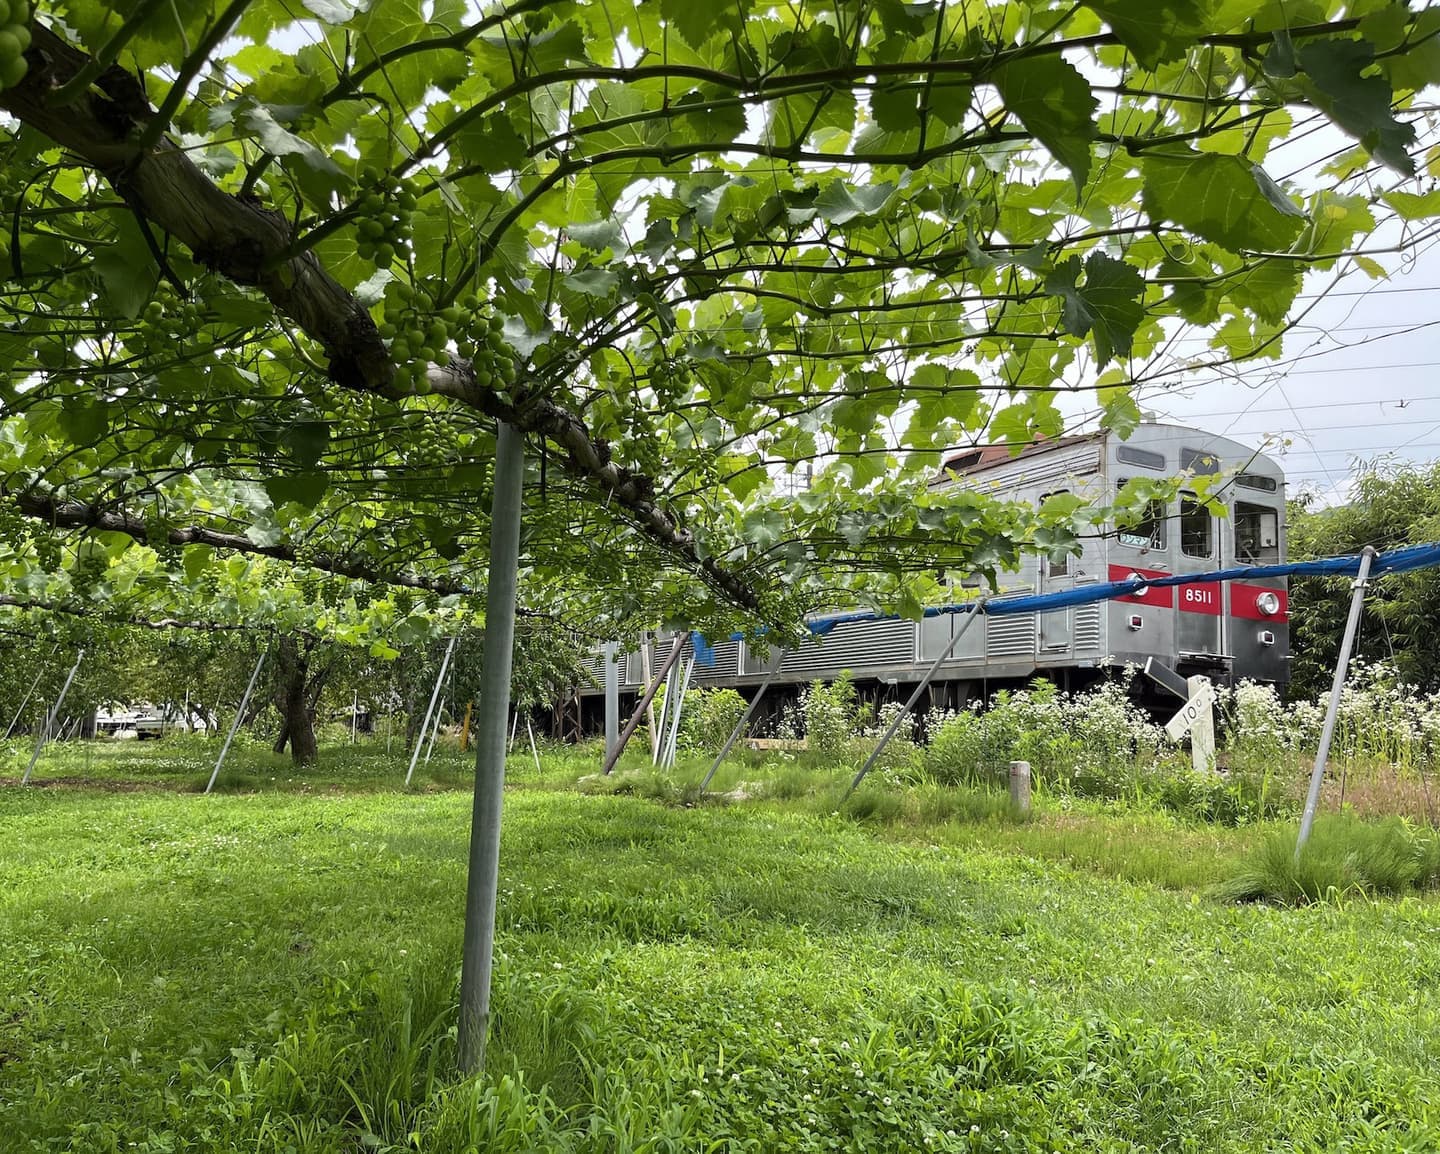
14,527
330,594
404,602
14,39
87,572
384,214
309,589
354,415
166,320
47,551
428,443
419,334
669,377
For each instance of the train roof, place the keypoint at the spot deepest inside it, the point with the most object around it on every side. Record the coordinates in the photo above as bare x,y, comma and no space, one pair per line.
969,461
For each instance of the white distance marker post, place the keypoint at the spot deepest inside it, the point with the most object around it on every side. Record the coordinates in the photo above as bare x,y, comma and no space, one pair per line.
1197,718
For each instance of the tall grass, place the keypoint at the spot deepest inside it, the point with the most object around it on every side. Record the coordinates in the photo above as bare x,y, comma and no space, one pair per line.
1344,856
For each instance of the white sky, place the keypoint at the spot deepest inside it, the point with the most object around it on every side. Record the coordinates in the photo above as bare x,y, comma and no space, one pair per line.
1359,380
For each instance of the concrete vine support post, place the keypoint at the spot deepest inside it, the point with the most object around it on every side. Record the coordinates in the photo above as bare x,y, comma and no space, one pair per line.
612,697
1337,687
1020,786
492,713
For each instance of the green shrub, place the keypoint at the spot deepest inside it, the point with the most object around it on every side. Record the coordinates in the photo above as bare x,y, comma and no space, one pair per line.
829,717
709,718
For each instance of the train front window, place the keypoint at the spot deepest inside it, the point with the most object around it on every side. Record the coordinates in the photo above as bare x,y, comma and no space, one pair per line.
1257,534
1149,531
1196,527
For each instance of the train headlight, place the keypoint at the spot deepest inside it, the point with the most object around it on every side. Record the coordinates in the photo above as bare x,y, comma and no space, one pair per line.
1268,603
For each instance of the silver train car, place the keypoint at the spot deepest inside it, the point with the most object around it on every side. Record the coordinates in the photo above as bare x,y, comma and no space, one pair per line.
1226,631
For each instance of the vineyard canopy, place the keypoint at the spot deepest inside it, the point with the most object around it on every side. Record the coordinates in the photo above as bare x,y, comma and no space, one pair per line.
738,273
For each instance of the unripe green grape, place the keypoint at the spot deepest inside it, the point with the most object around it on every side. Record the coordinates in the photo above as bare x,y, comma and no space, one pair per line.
12,71
385,254
4,12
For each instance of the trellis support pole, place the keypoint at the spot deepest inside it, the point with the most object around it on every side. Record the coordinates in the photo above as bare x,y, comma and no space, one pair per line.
650,690
976,611
435,729
234,725
677,708
612,696
493,710
19,713
430,709
1337,687
50,718
741,724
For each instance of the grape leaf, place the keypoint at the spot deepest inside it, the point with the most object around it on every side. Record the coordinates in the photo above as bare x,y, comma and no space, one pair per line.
1156,31
1358,103
1221,198
1110,304
1054,102
302,488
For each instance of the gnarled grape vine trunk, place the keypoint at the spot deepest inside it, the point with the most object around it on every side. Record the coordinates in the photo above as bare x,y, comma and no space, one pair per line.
295,698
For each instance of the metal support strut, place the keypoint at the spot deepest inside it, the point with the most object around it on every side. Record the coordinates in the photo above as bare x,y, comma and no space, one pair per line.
1337,687
239,717
429,709
50,718
976,611
650,690
741,724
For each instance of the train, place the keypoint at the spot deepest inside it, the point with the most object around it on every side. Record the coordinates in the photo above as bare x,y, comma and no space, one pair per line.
1230,631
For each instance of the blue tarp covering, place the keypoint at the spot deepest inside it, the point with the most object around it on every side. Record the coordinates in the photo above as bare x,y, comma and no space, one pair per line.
1396,561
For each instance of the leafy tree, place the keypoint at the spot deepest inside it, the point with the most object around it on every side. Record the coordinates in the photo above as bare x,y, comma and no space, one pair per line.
275,280
1394,504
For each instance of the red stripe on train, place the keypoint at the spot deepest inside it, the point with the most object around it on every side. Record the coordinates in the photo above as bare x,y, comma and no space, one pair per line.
1244,602
1164,597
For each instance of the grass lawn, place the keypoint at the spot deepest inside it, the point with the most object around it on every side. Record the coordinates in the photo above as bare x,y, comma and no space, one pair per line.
277,970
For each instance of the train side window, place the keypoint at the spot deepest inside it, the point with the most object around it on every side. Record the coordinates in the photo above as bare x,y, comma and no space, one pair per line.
1056,566
1257,534
1149,531
1197,537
